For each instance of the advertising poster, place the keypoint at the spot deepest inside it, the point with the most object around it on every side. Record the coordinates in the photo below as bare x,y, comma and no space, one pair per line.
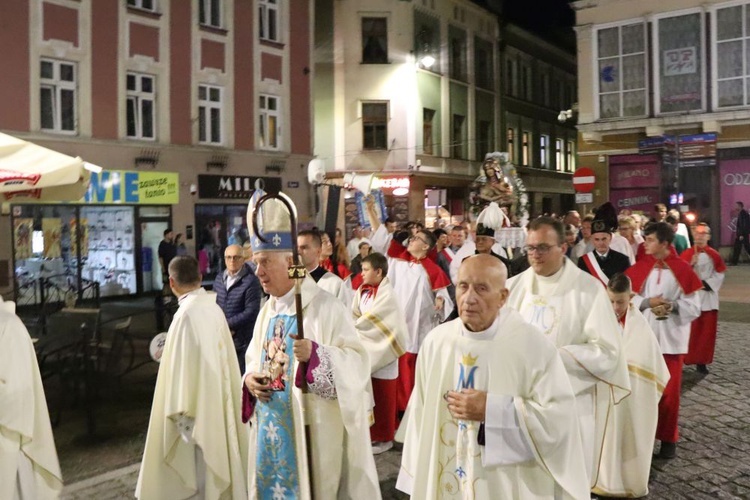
52,230
734,184
22,234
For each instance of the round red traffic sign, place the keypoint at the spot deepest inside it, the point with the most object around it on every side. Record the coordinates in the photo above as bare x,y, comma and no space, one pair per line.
583,180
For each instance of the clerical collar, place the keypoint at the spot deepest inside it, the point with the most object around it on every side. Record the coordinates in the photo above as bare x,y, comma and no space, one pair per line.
487,334
317,273
554,278
284,302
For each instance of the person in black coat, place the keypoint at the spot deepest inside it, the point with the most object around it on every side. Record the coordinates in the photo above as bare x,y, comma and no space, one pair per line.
742,233
238,294
602,259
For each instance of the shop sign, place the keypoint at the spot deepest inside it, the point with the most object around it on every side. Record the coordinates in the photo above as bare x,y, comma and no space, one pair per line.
636,200
628,175
734,186
391,183
136,188
234,186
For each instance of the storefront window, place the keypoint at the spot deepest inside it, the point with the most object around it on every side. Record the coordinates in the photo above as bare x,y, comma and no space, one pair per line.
218,226
108,249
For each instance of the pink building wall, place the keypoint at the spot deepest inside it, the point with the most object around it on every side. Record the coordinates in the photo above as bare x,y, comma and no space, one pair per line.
14,86
104,37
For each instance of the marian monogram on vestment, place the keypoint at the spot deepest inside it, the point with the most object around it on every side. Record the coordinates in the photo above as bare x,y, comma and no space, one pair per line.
544,313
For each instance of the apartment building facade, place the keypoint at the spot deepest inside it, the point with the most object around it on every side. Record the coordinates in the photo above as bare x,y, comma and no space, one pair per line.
665,106
184,103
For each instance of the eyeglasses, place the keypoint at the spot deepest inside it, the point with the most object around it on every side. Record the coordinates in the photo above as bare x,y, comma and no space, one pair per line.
540,249
415,237
234,257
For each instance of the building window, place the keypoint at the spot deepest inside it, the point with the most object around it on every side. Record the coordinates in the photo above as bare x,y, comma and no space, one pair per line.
510,137
140,106
457,53
559,158
209,114
483,68
457,140
621,71
143,4
680,59
374,125
732,29
484,138
58,96
526,148
544,151
526,83
571,152
268,14
428,116
510,77
374,40
545,89
210,13
269,122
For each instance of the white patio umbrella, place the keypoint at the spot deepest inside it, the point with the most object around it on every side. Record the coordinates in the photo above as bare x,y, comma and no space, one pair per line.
29,172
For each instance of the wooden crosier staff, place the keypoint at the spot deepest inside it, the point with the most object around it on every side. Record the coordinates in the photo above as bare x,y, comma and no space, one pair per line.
297,272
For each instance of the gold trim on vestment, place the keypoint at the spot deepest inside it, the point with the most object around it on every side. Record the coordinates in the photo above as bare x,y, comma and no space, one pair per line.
643,373
397,349
628,391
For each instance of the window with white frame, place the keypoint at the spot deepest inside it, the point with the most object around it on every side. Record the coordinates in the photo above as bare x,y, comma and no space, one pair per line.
559,158
680,63
57,99
732,55
268,15
510,140
209,114
209,13
544,150
143,4
621,55
510,77
141,96
269,122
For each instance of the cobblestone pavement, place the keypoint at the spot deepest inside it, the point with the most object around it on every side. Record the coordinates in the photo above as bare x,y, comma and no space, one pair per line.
712,455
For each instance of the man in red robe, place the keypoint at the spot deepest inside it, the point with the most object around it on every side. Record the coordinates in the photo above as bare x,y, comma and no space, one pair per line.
710,268
666,288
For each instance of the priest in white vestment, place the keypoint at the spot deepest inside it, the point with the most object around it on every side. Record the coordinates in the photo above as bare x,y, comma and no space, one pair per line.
629,442
333,364
572,309
492,414
196,445
29,469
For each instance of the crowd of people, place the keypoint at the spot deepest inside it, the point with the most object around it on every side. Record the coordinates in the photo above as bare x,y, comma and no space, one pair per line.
545,371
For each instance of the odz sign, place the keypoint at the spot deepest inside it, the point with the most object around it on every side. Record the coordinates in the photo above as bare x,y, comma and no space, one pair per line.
144,188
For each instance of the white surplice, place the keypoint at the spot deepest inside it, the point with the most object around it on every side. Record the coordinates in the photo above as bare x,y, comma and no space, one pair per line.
343,465
196,426
381,327
672,333
572,309
29,469
629,441
342,289
533,448
467,250
620,244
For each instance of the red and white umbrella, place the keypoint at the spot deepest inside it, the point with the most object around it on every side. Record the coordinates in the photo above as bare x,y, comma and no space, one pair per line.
29,172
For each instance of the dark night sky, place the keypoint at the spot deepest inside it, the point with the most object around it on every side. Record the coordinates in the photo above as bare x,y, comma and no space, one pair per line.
551,19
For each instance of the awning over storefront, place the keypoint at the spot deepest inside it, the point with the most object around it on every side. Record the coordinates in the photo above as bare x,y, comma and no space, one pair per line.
31,172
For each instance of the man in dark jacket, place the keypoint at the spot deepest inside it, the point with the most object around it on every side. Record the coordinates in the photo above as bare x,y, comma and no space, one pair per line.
238,294
743,233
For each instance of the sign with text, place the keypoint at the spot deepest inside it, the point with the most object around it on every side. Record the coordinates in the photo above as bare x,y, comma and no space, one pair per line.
635,175
234,186
734,186
132,187
682,61
584,198
642,200
697,146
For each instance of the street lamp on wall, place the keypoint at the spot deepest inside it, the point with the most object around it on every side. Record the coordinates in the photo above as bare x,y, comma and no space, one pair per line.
426,57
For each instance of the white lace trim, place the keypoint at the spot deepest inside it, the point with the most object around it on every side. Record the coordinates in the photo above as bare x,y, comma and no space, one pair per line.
323,384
